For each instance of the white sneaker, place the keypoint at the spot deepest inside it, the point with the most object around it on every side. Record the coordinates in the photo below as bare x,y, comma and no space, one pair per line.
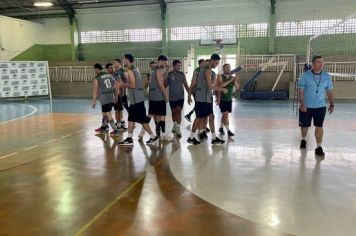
178,133
141,134
166,137
169,137
174,129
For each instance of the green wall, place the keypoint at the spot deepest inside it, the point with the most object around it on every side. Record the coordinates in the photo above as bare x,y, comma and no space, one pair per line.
34,53
105,51
326,45
60,52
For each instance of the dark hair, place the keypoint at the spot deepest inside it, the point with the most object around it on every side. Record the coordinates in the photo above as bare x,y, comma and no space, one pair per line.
162,58
215,57
316,57
227,64
117,60
108,65
98,66
152,62
201,61
175,62
129,57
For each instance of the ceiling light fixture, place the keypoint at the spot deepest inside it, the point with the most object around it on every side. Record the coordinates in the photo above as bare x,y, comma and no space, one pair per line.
43,4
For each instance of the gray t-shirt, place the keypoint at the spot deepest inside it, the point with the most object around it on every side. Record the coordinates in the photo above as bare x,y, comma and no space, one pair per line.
203,94
106,90
137,95
119,76
155,93
175,81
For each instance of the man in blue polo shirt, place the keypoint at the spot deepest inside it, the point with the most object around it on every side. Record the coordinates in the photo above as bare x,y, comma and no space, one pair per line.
312,88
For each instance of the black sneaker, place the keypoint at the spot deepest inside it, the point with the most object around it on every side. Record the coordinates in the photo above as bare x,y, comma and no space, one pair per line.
203,136
123,126
207,130
187,117
303,144
319,152
104,129
221,131
126,142
193,141
230,134
217,141
152,141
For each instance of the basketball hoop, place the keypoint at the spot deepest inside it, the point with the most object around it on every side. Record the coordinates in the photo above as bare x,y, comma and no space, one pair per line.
217,44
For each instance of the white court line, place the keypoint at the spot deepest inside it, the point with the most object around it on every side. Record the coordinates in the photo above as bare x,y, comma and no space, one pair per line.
26,149
21,117
80,131
66,136
50,141
14,153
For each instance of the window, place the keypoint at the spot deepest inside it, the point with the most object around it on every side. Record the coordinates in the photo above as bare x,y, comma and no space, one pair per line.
126,35
303,28
219,31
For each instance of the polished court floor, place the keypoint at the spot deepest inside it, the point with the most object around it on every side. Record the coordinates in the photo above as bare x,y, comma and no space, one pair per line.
58,178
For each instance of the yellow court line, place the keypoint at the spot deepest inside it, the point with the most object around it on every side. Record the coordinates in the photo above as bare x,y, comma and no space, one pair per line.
111,204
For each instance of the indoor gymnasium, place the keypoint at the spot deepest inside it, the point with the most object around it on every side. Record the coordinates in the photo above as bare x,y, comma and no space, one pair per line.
178,117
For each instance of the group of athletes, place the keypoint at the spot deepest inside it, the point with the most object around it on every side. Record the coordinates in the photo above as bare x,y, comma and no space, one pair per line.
121,86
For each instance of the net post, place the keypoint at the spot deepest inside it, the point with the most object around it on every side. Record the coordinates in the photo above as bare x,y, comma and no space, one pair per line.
48,81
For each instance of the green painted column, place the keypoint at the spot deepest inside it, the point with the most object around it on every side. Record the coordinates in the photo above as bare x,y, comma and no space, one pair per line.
272,28
165,35
74,38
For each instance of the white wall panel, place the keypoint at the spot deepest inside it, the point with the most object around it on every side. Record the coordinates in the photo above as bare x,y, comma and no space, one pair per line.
127,17
299,10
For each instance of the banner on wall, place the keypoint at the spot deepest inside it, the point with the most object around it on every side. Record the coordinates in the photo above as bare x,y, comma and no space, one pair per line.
24,79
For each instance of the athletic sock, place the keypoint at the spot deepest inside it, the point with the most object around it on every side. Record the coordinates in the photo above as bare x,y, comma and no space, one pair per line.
112,124
152,136
118,124
104,121
162,125
227,127
192,135
318,145
129,135
175,124
213,135
303,138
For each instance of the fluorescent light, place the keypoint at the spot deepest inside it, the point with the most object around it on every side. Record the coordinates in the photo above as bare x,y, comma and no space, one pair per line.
43,4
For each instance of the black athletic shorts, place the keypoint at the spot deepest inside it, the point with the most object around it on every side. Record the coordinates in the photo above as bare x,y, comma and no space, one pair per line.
107,107
118,105
315,114
124,102
203,109
137,113
157,108
179,103
225,106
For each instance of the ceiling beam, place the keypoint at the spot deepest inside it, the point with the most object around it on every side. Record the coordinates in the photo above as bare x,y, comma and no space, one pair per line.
70,12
